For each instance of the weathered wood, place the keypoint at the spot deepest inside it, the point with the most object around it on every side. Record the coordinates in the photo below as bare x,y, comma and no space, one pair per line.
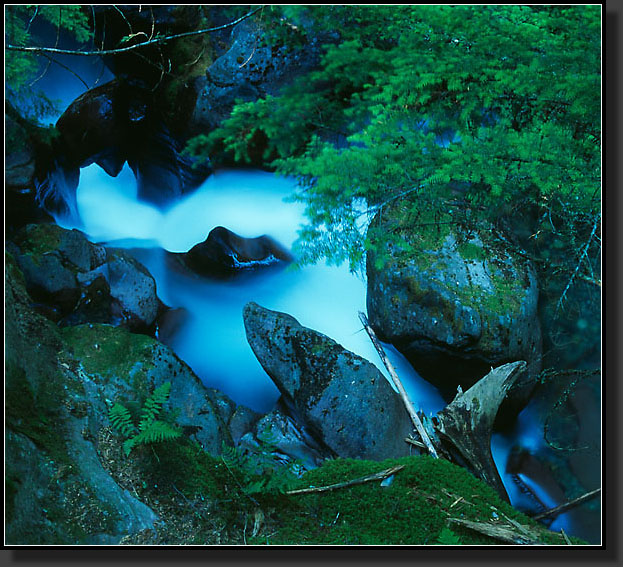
504,533
467,422
401,390
567,505
370,478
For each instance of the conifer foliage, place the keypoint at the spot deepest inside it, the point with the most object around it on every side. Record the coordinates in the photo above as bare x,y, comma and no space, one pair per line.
491,110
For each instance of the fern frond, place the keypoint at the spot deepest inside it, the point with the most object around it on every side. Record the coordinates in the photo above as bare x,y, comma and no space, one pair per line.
153,405
156,432
121,420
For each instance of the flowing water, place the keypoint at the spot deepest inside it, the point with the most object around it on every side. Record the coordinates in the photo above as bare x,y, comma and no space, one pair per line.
211,339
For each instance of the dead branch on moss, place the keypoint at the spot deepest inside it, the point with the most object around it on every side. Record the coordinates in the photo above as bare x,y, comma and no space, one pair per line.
505,533
370,478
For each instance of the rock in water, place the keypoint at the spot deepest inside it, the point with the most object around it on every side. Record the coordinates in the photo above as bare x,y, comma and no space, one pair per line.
76,281
224,253
343,399
450,299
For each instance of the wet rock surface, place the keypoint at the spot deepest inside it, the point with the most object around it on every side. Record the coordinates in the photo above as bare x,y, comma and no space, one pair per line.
343,400
454,304
75,281
224,253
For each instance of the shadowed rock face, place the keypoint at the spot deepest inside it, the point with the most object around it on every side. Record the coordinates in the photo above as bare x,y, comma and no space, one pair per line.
75,281
224,253
455,304
110,125
343,400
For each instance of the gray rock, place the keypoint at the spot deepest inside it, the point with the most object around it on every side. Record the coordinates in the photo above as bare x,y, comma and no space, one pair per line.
134,288
58,491
247,71
19,166
79,281
287,440
455,304
343,400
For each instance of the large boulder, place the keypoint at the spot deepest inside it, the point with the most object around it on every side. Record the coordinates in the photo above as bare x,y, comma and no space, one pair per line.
249,69
57,490
225,253
342,399
76,281
110,125
454,302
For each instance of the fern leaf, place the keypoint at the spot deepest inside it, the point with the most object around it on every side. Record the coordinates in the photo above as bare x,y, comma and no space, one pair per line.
121,420
153,405
156,432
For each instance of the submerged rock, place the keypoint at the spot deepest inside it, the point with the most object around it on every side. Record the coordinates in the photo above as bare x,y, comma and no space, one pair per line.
344,400
224,253
454,303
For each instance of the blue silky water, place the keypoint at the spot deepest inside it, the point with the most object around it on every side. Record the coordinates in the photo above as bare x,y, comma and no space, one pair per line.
211,338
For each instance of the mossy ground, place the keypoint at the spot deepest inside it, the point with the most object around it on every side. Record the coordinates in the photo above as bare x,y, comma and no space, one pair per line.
202,496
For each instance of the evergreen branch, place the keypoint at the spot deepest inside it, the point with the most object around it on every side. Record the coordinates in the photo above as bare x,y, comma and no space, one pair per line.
117,51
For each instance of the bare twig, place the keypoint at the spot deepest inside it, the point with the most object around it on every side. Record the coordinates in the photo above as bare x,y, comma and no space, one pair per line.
157,40
401,390
415,442
579,264
370,478
567,505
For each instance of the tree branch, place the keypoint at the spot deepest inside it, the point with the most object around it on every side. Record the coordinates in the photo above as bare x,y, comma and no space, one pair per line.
43,50
401,390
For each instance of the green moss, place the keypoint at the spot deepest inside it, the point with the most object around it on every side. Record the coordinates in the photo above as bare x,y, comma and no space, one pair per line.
471,251
36,414
112,351
40,239
413,510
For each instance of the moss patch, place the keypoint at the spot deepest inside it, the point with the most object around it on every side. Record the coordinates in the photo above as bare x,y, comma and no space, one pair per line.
414,509
110,352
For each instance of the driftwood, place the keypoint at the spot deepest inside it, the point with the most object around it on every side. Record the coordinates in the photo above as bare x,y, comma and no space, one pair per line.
465,425
401,390
370,478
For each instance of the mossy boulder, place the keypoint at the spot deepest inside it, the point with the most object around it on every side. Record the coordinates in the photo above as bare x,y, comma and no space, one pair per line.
75,281
58,491
60,384
342,399
454,302
127,367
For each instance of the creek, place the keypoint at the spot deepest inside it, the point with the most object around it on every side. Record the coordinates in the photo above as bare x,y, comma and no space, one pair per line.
211,337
